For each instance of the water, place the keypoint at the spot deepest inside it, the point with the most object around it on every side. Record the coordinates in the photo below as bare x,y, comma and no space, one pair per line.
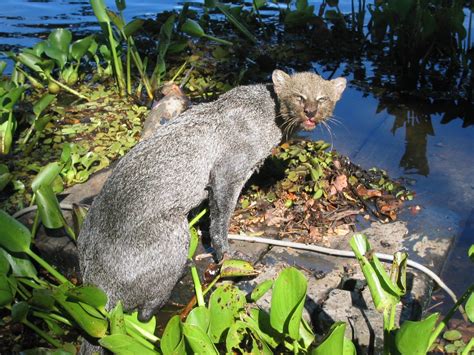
430,145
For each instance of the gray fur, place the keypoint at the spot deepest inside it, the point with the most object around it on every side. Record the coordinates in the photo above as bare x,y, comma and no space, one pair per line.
134,241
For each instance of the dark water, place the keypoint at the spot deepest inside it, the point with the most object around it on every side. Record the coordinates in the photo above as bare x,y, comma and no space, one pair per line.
431,144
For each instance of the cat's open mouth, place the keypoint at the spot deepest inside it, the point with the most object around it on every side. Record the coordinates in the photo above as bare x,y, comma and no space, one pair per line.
309,123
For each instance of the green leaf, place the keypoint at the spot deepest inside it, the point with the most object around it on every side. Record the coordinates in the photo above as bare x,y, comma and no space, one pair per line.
232,19
333,342
48,208
116,19
261,289
259,321
42,103
8,100
289,293
46,175
384,292
117,321
20,264
60,39
132,323
243,339
20,311
198,340
193,243
98,6
133,26
470,307
90,295
123,344
5,176
3,65
43,299
470,253
4,263
80,47
237,268
200,317
192,28
452,335
172,341
92,324
224,305
6,135
405,340
16,237
59,57
7,292
121,5
31,61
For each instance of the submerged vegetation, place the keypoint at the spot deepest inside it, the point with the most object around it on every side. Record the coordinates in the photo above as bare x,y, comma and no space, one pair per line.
73,105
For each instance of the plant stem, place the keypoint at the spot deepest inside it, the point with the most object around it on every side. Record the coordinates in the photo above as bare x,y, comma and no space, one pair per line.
129,74
43,334
197,286
58,276
117,63
213,282
34,227
151,337
52,316
68,89
468,347
220,40
448,316
197,218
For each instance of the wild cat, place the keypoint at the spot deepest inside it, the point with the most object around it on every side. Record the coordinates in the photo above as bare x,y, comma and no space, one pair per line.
134,241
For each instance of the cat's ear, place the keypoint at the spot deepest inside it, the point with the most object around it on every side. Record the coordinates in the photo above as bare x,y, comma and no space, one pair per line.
279,79
339,85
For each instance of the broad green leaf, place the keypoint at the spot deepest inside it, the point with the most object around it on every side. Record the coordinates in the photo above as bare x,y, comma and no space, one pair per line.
31,61
90,295
198,340
470,253
98,6
123,344
133,26
470,307
289,293
200,317
46,176
7,292
117,321
237,268
20,311
261,289
56,55
306,334
224,305
333,342
241,334
259,321
20,264
4,263
138,329
172,341
43,299
15,237
3,65
192,28
95,326
41,122
60,39
452,335
405,340
48,208
80,47
42,103
10,99
349,347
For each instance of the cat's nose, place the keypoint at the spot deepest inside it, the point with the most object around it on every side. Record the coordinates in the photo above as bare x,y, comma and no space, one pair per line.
309,113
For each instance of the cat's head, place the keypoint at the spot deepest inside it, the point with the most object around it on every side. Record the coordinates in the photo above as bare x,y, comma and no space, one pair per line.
305,98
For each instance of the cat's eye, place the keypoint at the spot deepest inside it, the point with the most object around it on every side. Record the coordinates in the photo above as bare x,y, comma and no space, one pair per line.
323,99
300,98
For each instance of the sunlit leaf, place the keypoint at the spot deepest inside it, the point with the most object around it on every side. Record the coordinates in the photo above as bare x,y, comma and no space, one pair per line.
333,343
48,207
42,103
237,268
198,340
91,295
46,176
199,317
470,307
405,340
261,289
20,264
80,47
15,236
288,296
125,345
172,341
